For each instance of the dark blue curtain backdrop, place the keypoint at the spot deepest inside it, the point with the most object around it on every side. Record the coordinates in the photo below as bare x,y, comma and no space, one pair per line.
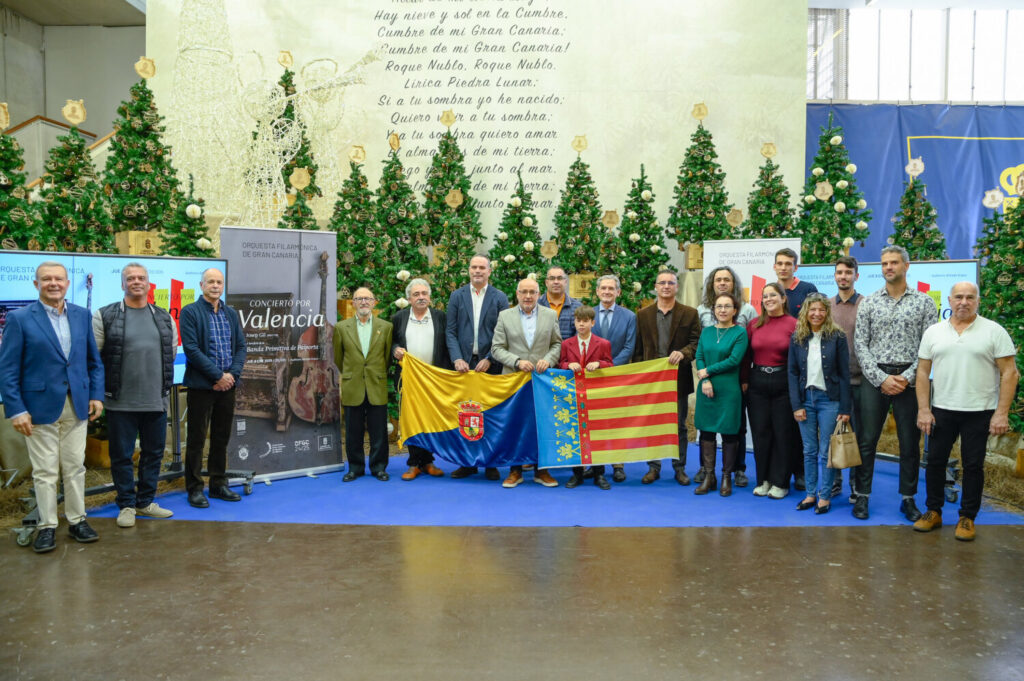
967,150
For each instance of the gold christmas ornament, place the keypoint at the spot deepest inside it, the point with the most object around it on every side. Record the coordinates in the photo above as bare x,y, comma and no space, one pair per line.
734,218
357,154
1004,279
993,199
284,58
9,244
145,67
290,199
549,250
769,150
915,167
299,178
448,118
454,198
610,219
700,111
394,142
74,111
823,191
5,117
579,143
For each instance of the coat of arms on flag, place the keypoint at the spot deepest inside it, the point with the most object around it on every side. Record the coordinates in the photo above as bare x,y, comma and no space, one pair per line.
471,420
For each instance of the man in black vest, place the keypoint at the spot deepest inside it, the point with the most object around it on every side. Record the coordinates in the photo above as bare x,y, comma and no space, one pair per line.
420,331
137,342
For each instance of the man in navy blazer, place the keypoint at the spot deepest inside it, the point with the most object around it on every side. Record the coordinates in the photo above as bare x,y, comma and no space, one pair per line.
471,317
616,325
51,380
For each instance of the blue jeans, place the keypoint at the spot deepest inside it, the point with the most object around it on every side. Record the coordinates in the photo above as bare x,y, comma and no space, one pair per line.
816,433
151,429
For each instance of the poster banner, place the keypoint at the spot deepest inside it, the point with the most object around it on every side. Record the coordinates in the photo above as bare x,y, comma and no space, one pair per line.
287,411
751,259
95,281
935,278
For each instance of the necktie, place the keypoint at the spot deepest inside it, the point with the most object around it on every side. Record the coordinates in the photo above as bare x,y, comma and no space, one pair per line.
584,362
605,314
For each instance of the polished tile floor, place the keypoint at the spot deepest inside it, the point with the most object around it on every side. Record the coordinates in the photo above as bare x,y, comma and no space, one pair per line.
177,600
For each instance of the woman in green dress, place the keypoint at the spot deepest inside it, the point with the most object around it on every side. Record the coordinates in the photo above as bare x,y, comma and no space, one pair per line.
720,351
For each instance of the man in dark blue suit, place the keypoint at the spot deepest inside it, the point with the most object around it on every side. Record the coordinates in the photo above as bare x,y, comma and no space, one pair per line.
617,325
51,380
471,317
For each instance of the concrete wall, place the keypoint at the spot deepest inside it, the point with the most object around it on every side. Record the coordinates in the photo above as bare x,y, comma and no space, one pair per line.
21,66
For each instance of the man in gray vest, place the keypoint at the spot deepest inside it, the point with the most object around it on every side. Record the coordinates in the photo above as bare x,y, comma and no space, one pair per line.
137,342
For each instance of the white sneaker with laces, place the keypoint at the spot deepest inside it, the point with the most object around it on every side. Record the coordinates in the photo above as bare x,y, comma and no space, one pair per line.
126,517
154,510
778,492
762,489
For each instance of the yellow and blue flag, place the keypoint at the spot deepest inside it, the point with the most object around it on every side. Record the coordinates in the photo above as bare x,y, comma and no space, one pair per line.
470,419
614,415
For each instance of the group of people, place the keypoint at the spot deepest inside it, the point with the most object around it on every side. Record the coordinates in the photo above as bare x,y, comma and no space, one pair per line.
793,371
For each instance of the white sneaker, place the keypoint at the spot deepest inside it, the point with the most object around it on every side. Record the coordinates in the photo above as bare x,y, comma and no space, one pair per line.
778,492
762,489
126,517
154,510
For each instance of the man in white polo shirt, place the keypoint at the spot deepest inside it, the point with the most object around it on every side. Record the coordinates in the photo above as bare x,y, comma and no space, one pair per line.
971,360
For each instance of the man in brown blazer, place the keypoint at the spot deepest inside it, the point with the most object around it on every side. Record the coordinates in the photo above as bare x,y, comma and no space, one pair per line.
362,350
669,329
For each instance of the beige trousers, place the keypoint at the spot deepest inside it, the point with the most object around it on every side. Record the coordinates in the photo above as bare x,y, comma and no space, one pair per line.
59,447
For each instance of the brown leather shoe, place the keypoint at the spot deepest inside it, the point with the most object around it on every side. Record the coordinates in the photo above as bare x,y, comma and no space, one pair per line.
965,529
544,478
650,476
412,473
513,479
931,520
432,470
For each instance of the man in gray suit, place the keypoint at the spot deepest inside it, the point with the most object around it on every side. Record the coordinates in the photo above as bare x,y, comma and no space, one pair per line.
526,338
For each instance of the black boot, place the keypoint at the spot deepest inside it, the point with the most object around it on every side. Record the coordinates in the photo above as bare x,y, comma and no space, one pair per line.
707,465
730,452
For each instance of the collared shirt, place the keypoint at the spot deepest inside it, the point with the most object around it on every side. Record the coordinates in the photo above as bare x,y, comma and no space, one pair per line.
845,316
815,375
664,331
419,337
581,342
220,337
363,330
478,305
965,376
707,316
604,320
61,326
529,321
889,331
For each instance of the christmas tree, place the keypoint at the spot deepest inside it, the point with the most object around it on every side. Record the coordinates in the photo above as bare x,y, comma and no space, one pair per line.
769,214
453,221
583,240
399,215
834,210
298,214
19,222
915,225
1001,252
186,234
701,204
303,157
74,212
516,250
143,189
642,240
362,244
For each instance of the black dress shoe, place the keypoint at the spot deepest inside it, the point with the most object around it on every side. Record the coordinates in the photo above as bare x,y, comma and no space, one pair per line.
81,531
224,493
800,484
45,540
602,482
909,510
822,510
382,476
464,472
806,504
588,473
198,499
860,508
573,482
492,474
350,476
619,475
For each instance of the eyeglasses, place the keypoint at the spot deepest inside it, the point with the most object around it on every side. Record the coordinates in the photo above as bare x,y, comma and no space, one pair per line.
363,299
725,307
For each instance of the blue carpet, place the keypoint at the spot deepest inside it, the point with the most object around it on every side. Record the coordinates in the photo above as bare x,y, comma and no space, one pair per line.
476,501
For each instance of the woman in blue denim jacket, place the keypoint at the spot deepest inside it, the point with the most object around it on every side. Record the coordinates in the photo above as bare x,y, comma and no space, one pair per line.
819,392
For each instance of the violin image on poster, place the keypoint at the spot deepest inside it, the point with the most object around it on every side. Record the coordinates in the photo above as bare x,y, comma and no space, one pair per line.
313,394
